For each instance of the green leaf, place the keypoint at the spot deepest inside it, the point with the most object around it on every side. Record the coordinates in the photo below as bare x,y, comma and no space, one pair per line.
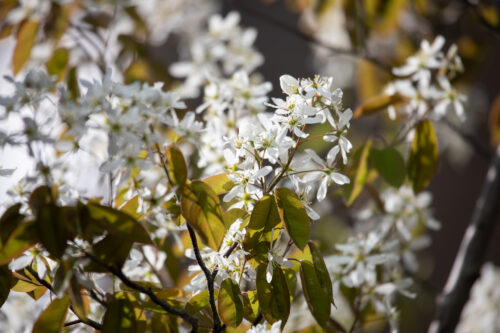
274,297
177,169
23,286
361,173
52,318
57,63
294,216
423,156
118,223
5,282
75,296
232,215
51,229
230,304
321,271
250,305
199,301
21,239
317,300
72,81
119,317
201,209
9,221
219,183
265,216
112,250
25,41
390,165
163,324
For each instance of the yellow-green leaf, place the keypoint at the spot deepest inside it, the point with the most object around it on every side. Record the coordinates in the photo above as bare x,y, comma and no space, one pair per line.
294,216
361,173
377,104
118,223
57,63
265,216
232,215
230,304
390,165
423,156
201,209
25,41
317,300
177,169
21,239
52,318
119,317
274,297
494,122
219,183
199,301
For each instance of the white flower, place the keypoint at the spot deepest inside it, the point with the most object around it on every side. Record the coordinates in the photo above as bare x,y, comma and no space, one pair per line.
339,131
262,328
326,173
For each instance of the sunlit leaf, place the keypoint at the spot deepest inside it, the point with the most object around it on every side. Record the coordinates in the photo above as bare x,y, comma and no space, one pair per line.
21,239
118,223
52,318
176,164
230,304
294,216
57,63
219,183
119,317
199,301
25,41
361,173
423,156
265,216
201,209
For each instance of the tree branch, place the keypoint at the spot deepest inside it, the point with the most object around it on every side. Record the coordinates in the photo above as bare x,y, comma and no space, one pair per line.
148,291
47,285
210,276
466,268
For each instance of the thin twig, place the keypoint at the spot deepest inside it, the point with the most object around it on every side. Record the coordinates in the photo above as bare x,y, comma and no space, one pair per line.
210,276
47,285
467,265
148,291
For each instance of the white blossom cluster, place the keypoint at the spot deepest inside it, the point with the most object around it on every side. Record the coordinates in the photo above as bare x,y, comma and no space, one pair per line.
482,311
424,83
376,263
222,50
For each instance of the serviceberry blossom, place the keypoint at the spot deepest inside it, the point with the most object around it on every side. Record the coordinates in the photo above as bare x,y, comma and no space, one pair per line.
424,84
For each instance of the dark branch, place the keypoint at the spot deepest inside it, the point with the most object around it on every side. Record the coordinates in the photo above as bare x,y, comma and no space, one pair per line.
47,285
466,268
210,276
129,283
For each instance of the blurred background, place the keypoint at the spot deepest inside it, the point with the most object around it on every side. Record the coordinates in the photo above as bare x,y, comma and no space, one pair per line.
356,42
